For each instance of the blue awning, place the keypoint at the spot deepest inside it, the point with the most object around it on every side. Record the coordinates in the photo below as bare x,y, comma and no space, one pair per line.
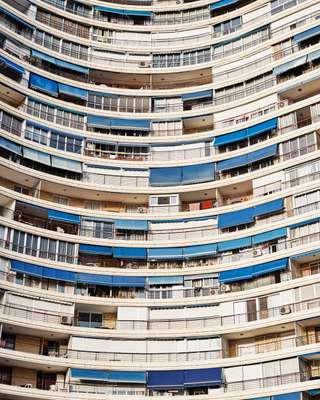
202,377
43,84
73,91
72,67
268,236
289,65
17,19
10,146
43,56
43,272
235,218
89,248
197,173
165,280
287,396
63,217
170,176
124,12
230,163
104,280
230,137
197,95
99,122
306,34
131,224
165,253
108,376
130,252
104,122
11,65
268,208
165,380
313,56
37,156
262,127
266,152
308,222
240,274
308,254
64,163
200,250
129,281
234,244
222,3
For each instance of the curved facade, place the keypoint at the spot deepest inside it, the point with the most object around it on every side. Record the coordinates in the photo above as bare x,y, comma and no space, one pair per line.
160,199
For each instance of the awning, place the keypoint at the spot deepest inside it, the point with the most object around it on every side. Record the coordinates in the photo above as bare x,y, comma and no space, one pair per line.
202,377
287,396
268,208
103,280
165,280
266,126
313,56
234,244
43,272
312,356
73,91
268,236
129,281
92,249
197,173
10,146
170,176
308,254
289,65
108,376
306,34
11,65
17,19
43,56
222,3
165,380
230,137
72,67
43,84
197,95
123,12
200,250
130,252
240,274
37,156
64,163
104,122
230,163
165,253
130,224
308,222
235,218
63,217
266,152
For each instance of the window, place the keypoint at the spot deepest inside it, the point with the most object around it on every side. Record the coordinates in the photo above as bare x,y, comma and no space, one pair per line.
10,123
36,134
298,146
41,110
65,143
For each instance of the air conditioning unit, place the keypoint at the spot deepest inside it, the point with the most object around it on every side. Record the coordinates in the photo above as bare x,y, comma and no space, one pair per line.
257,253
225,288
285,310
66,320
144,64
140,210
214,291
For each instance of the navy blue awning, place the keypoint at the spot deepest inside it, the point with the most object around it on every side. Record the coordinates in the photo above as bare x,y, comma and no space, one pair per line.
240,274
73,91
10,146
289,65
43,272
234,244
63,217
197,173
268,236
104,280
261,154
43,84
170,176
165,253
222,3
11,65
235,218
89,248
130,252
165,380
131,224
17,19
230,137
140,13
230,163
129,281
200,250
306,34
197,95
268,208
202,377
165,280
